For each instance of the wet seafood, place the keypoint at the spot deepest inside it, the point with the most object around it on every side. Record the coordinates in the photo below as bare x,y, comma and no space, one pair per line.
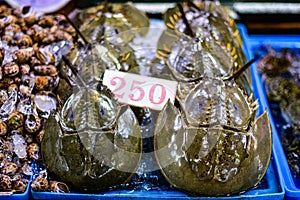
40,183
24,55
10,168
110,19
291,114
19,184
113,26
92,137
275,64
33,151
102,56
96,135
191,56
3,128
209,20
212,142
32,123
10,69
86,120
280,74
5,182
56,186
281,90
16,120
291,145
29,63
25,41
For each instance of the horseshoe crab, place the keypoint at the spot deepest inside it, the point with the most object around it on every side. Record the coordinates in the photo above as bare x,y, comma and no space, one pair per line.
88,142
190,59
110,19
212,144
201,41
208,19
92,143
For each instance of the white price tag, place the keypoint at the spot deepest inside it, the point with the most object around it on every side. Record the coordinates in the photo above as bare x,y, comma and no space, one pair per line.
140,91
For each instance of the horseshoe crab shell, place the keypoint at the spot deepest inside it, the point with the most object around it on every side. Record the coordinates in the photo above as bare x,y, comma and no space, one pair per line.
208,19
110,19
202,40
221,103
190,59
212,145
93,143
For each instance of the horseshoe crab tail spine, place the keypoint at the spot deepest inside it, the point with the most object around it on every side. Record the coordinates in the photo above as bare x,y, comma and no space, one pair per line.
241,70
106,5
192,4
74,71
76,29
188,26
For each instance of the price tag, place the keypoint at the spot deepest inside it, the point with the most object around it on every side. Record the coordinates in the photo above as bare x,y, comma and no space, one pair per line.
140,91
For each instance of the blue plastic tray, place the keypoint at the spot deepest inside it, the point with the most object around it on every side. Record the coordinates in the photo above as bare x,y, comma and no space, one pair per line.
269,188
253,43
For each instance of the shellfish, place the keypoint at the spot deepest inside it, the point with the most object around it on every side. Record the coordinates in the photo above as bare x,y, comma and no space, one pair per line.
27,49
110,19
56,186
208,19
192,59
191,55
280,75
89,142
212,145
41,182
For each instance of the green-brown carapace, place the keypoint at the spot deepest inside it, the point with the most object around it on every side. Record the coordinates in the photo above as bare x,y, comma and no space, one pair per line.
213,145
92,143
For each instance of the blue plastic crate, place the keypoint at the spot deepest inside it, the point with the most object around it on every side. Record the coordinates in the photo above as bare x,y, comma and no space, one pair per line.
254,43
269,188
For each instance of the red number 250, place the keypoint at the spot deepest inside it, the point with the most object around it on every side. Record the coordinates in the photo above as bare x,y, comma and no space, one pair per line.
153,94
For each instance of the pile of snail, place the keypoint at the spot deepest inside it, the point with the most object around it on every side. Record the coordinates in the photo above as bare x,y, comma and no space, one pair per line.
28,79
